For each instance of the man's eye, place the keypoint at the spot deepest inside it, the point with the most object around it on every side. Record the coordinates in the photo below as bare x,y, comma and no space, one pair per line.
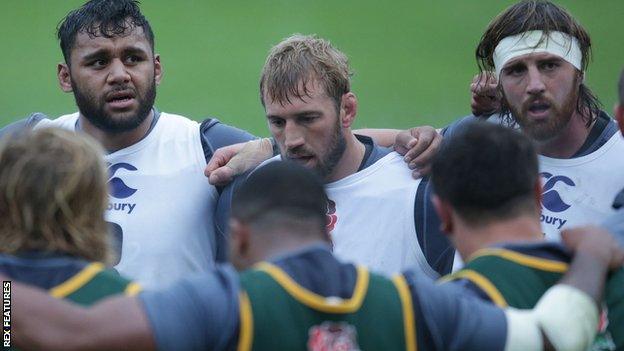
133,59
307,119
277,122
514,71
98,63
549,66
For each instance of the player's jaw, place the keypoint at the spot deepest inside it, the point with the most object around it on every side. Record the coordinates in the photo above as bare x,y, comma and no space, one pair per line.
303,157
120,109
542,118
322,163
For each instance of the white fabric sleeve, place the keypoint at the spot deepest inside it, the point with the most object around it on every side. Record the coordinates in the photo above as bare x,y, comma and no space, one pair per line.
566,315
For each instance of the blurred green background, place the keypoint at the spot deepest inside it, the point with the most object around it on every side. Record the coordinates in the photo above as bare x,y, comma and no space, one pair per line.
413,60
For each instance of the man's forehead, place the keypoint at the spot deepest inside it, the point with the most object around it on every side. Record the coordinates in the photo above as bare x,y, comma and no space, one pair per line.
531,57
133,35
306,92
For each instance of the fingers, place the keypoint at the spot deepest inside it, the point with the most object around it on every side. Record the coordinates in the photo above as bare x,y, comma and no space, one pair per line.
221,157
422,139
221,176
485,97
422,162
418,145
404,142
572,237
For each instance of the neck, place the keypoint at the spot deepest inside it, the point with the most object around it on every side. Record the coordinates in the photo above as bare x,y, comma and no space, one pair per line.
117,140
568,141
351,159
469,239
284,243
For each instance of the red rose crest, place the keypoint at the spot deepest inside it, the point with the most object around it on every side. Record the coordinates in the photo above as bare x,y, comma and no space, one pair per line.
332,336
332,218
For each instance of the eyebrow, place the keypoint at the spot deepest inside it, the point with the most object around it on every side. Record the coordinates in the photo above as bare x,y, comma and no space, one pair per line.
551,59
105,53
135,50
299,114
96,54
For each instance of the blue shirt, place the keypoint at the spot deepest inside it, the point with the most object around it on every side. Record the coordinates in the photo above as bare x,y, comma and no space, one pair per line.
202,313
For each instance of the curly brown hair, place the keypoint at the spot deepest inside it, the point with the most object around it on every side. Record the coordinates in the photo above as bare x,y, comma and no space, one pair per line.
53,194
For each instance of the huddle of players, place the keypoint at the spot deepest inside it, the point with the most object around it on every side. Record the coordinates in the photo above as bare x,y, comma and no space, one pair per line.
275,220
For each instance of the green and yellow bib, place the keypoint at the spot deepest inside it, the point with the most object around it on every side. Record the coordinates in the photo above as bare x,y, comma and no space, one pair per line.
513,279
276,313
94,282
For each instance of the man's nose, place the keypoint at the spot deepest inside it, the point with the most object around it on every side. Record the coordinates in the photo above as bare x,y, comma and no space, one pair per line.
536,84
118,73
293,136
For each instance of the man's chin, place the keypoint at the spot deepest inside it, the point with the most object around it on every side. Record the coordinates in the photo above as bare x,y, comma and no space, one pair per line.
119,124
540,133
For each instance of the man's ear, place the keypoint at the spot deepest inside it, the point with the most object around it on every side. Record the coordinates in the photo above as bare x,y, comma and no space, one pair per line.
158,71
348,109
64,77
618,111
239,244
445,212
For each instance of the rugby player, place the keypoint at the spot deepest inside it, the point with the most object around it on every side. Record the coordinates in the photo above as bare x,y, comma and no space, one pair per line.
374,203
52,199
539,54
488,198
298,296
161,206
112,70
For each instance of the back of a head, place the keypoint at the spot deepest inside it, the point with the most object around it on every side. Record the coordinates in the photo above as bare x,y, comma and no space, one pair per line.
486,172
538,15
53,194
282,195
300,60
102,18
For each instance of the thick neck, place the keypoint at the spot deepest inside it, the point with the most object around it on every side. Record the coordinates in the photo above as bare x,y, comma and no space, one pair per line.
117,141
569,141
280,244
351,159
469,239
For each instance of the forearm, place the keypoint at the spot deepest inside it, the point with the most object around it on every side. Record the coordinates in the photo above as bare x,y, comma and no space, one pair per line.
587,274
42,322
38,324
383,137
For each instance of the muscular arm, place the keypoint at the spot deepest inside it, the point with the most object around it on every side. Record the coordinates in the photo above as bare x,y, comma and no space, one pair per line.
42,322
21,125
198,313
447,319
615,224
382,136
565,318
418,145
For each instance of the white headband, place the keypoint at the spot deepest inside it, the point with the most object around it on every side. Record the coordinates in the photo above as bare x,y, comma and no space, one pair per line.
556,43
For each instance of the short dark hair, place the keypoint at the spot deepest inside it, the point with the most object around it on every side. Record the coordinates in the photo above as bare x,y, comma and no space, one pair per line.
281,192
541,15
106,18
486,172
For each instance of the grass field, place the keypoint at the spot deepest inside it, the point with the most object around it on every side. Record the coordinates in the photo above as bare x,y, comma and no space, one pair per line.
413,60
